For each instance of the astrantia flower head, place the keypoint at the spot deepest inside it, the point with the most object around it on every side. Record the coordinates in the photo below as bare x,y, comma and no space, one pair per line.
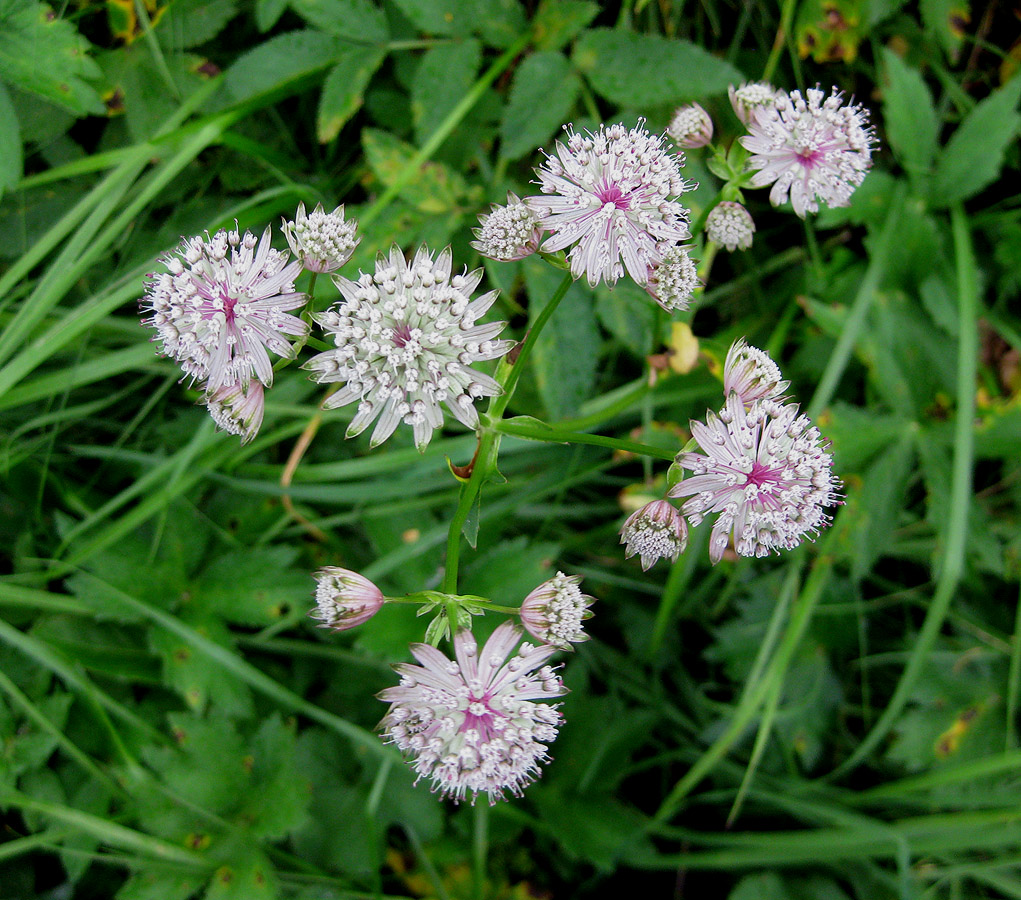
765,473
554,612
473,725
612,196
691,127
344,598
508,232
751,374
656,531
237,409
222,304
322,241
750,97
730,225
812,148
673,279
405,339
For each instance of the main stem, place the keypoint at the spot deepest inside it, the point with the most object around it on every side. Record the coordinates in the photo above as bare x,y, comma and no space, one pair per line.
489,438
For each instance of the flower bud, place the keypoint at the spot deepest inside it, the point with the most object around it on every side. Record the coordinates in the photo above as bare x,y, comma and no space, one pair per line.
731,225
656,531
238,409
673,278
553,613
322,241
691,127
508,232
345,599
751,97
751,374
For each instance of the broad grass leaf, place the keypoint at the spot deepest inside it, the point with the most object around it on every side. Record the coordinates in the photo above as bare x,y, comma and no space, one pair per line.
44,54
911,122
283,59
565,354
359,20
344,89
541,98
10,143
974,155
637,70
557,21
444,75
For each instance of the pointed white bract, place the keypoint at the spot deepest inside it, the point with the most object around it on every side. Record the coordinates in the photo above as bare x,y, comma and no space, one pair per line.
812,148
751,374
508,232
472,725
691,127
750,97
237,409
222,304
405,338
673,279
656,531
730,225
322,241
555,611
764,472
345,599
611,196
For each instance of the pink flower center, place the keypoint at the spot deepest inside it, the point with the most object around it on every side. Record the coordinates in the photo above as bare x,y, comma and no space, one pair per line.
400,335
809,158
612,193
763,477
228,305
479,717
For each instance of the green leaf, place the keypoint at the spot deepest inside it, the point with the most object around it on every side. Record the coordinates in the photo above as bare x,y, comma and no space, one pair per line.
499,22
911,122
10,143
160,884
946,20
445,74
189,23
359,20
541,98
627,312
764,886
435,188
44,54
565,354
256,589
444,17
247,876
267,12
637,70
344,89
282,59
973,157
557,21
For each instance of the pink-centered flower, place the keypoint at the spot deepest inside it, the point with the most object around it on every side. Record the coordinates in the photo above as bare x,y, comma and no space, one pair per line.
472,724
405,338
345,599
764,472
611,196
812,148
222,304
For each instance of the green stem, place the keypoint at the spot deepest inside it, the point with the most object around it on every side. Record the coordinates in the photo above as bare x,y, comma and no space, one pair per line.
556,435
444,130
480,848
786,17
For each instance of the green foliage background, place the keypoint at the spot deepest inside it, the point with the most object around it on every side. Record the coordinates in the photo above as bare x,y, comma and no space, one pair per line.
839,722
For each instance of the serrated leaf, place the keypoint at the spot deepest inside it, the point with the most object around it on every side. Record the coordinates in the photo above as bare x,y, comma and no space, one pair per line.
189,23
443,17
541,98
282,59
360,20
435,188
344,89
10,143
44,54
565,354
636,70
445,74
557,21
254,589
911,122
973,157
